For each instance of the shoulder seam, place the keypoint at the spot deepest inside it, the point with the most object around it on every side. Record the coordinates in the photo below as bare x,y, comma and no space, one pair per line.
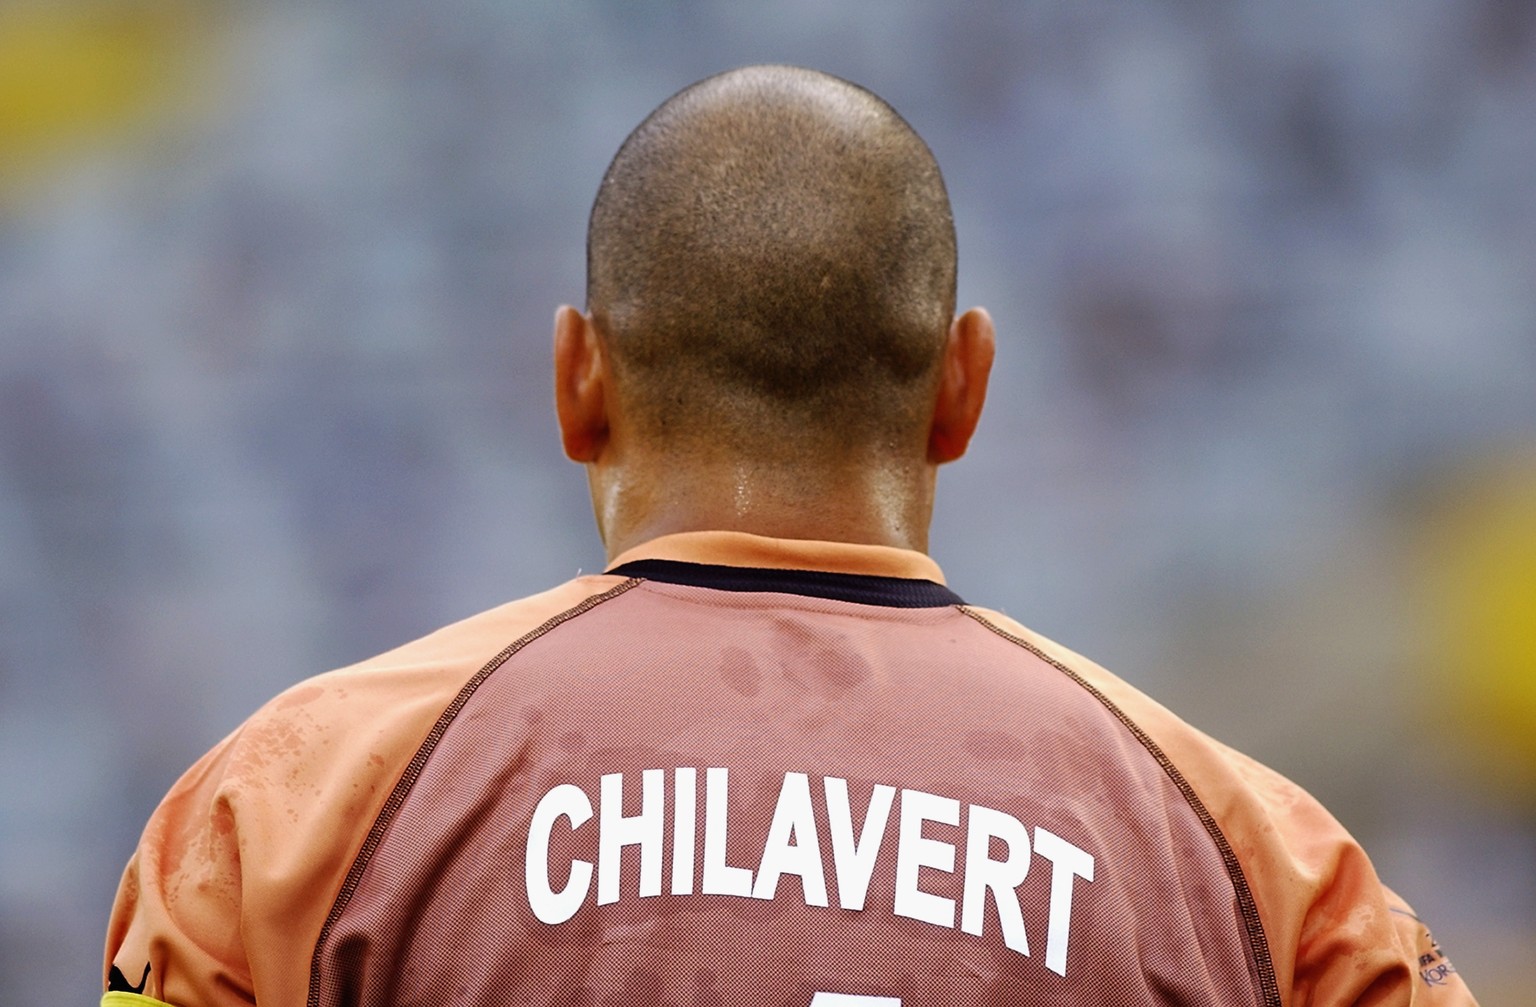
1258,941
413,769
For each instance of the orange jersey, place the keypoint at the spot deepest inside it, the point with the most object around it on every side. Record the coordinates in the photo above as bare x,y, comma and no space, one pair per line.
735,770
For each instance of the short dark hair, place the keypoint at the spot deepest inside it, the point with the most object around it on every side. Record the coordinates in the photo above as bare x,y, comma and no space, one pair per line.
771,255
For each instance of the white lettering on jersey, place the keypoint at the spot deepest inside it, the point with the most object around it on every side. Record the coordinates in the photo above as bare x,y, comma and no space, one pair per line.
793,846
1067,862
915,851
684,807
548,905
616,832
793,819
1001,877
853,859
719,877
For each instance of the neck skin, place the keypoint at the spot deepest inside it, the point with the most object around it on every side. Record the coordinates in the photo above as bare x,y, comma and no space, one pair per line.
646,497
642,489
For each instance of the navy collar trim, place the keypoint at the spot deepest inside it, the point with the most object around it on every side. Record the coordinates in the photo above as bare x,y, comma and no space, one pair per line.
862,589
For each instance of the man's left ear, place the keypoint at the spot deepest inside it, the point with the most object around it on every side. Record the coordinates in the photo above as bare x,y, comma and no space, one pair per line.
581,386
966,366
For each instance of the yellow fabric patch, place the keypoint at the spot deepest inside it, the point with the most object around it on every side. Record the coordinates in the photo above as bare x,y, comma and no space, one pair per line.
117,998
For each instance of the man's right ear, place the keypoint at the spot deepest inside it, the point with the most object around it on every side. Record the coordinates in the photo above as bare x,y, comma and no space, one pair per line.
581,386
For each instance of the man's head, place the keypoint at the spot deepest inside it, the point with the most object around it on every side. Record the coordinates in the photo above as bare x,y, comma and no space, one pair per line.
772,259
770,280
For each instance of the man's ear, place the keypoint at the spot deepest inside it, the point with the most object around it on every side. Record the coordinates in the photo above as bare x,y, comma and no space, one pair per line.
967,363
581,386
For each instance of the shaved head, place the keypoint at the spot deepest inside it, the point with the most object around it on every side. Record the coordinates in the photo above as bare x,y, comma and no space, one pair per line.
771,263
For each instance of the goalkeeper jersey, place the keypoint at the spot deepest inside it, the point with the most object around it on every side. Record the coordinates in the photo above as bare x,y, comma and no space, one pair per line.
735,770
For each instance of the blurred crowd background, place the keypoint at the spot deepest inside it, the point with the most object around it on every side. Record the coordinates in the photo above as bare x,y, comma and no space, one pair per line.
276,289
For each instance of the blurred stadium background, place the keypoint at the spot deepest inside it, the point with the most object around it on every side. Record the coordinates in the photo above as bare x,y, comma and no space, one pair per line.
276,283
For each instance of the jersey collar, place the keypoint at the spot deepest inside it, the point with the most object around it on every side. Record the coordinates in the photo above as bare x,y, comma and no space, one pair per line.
736,561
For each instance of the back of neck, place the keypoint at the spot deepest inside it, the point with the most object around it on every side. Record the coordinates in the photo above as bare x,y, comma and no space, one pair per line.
863,504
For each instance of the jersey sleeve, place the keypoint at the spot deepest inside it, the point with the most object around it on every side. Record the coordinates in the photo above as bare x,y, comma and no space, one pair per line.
1336,935
1438,979
1339,936
174,932
224,899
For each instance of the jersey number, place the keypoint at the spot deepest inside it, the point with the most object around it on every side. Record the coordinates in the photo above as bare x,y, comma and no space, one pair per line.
853,1000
